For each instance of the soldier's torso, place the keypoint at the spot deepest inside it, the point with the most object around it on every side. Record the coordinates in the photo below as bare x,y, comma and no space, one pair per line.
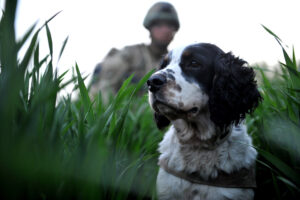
142,61
119,65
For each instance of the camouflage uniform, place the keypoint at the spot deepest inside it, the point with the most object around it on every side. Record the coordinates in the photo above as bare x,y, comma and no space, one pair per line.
119,65
138,59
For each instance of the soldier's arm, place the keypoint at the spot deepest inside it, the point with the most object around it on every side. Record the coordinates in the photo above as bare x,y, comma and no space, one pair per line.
111,74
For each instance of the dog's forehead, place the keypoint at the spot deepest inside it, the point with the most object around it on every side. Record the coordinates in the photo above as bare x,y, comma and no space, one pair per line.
178,53
204,49
175,54
173,59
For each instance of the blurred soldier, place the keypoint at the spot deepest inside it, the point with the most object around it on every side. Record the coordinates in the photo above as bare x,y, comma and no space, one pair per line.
162,23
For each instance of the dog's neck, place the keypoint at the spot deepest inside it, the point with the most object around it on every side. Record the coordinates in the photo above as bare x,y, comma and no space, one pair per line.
200,132
194,142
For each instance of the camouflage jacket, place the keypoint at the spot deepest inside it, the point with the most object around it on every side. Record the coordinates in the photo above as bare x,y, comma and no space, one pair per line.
119,65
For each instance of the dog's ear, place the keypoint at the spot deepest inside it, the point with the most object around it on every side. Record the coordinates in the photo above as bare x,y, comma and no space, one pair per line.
234,92
161,121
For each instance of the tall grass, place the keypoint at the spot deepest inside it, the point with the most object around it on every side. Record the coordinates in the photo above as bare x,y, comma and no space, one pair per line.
64,149
276,130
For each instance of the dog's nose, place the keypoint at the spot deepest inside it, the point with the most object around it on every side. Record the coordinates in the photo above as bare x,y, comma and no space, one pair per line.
155,82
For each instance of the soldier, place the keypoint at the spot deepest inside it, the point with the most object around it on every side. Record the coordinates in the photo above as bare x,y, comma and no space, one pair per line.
162,23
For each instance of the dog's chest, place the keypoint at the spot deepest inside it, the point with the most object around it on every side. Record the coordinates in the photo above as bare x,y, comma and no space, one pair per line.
185,158
205,163
171,187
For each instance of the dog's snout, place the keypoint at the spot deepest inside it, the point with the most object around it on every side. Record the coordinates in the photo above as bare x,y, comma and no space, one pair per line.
156,81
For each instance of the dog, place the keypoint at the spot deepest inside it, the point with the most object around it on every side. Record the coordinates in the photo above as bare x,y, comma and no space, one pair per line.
205,94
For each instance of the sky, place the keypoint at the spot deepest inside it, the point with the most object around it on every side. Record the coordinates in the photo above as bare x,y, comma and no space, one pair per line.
95,26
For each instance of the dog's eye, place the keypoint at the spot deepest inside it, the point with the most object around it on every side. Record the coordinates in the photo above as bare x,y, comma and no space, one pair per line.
164,62
194,64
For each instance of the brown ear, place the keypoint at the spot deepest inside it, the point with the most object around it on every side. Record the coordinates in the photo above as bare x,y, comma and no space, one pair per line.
161,121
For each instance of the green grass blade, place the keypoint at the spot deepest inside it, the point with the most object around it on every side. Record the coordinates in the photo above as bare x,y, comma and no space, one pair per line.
63,48
36,57
289,183
10,76
273,34
51,18
294,57
281,166
293,98
50,43
85,96
61,77
29,53
25,37
276,187
142,82
72,80
122,91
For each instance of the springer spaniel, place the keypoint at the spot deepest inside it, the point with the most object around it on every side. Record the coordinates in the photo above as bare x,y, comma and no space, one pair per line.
206,153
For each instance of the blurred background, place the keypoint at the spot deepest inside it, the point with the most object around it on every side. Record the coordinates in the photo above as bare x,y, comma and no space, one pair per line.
94,27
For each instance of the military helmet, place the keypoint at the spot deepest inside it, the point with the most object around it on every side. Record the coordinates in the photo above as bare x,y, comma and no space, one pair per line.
161,11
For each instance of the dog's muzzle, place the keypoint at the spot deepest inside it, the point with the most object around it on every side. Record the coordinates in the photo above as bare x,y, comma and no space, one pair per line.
155,82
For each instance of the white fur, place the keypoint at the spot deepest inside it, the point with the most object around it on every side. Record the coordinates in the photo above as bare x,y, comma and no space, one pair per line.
236,152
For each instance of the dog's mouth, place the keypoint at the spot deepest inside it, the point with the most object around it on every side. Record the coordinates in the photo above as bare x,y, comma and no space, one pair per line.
173,111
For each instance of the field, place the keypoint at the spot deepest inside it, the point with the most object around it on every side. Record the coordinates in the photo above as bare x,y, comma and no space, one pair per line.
53,148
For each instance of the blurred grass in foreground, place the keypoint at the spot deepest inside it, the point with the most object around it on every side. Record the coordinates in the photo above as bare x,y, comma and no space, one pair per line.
63,149
84,149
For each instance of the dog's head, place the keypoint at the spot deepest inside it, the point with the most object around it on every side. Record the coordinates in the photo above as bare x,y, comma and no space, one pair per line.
201,78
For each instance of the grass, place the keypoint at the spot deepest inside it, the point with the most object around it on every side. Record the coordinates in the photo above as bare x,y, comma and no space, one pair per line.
64,149
275,127
54,148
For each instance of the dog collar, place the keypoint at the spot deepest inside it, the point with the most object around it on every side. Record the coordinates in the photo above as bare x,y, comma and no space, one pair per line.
215,141
243,178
